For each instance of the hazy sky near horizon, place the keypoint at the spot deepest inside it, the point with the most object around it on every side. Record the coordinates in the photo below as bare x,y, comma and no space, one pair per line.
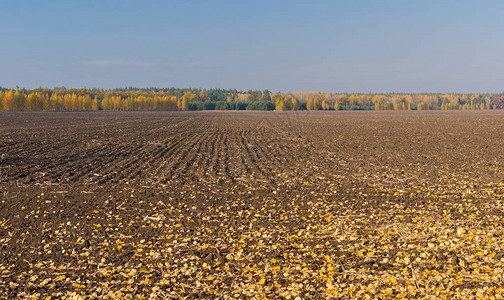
325,46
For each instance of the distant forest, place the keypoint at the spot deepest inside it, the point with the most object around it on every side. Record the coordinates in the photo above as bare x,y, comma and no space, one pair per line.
62,99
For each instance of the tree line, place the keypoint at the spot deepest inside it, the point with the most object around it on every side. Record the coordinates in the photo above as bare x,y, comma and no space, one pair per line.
171,99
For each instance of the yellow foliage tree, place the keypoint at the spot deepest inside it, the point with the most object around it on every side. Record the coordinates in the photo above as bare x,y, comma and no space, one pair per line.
294,104
9,100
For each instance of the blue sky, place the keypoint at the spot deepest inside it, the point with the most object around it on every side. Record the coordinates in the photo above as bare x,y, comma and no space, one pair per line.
326,46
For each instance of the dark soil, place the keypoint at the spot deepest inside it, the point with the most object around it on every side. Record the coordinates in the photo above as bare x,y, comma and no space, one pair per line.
251,204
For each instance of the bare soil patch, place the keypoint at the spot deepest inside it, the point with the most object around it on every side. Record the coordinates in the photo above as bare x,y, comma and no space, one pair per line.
252,204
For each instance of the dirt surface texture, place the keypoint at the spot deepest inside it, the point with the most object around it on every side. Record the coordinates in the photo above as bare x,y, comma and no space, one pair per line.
252,205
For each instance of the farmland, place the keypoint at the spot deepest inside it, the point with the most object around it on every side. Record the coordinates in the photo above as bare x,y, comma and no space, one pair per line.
252,204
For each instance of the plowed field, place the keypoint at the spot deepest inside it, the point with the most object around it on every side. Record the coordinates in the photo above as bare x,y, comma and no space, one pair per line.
252,205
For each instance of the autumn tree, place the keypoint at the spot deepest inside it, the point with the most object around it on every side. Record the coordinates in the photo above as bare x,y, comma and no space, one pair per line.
30,102
19,100
76,102
9,100
184,104
294,103
313,104
280,104
34,101
86,102
106,104
95,105
203,96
